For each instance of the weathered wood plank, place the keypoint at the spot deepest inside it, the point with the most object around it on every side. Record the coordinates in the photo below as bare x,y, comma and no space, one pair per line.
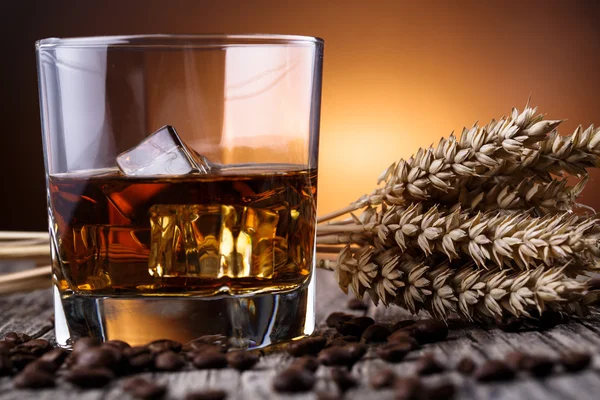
30,311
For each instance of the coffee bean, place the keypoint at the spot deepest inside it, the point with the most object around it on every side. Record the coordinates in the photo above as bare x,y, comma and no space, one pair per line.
376,333
136,351
33,379
16,337
89,377
141,362
429,331
294,380
494,370
538,366
343,379
382,379
394,352
594,283
85,343
466,366
5,365
41,365
119,344
328,396
400,325
575,361
159,346
20,361
5,346
509,323
350,328
56,356
338,342
440,391
337,355
168,361
308,363
428,365
208,342
211,394
37,347
403,337
515,360
336,318
141,388
307,346
357,305
242,360
356,350
210,360
98,357
409,388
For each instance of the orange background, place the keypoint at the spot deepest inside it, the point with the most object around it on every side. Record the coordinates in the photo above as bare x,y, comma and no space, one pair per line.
397,75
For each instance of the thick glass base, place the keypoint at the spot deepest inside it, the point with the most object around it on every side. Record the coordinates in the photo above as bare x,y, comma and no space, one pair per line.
248,322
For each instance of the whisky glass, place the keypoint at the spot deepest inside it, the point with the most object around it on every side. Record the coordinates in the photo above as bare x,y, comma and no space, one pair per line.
182,184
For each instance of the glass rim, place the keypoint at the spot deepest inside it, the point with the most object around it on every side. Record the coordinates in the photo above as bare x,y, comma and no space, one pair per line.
177,40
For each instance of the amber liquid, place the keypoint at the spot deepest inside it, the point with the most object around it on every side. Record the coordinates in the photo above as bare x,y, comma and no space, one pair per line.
241,230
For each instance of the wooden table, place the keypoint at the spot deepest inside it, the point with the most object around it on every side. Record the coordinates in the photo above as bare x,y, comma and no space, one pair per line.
29,312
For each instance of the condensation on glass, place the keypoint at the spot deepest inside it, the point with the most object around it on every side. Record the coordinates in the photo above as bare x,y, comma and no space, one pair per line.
182,185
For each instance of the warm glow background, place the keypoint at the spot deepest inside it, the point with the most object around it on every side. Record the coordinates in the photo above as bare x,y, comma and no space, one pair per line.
397,75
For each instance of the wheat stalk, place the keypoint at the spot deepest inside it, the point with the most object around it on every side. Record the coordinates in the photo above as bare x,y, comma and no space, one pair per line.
436,170
427,283
514,240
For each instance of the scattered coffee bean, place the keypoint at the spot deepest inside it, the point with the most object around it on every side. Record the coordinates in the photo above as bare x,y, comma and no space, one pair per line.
409,388
338,342
336,318
494,370
57,356
356,350
382,379
119,344
141,388
294,380
357,305
440,391
594,283
33,379
5,346
141,362
466,366
350,328
337,355
89,377
98,357
136,351
5,365
376,333
210,360
86,343
307,346
20,361
575,361
538,366
394,352
509,323
429,331
328,396
41,365
308,363
16,337
402,324
242,360
363,322
403,337
343,379
168,361
161,345
515,360
208,342
428,365
211,394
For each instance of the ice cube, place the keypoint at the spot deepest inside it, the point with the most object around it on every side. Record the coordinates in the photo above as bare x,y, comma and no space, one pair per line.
162,153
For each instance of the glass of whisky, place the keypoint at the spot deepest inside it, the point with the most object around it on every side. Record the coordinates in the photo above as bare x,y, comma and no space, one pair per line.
182,185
